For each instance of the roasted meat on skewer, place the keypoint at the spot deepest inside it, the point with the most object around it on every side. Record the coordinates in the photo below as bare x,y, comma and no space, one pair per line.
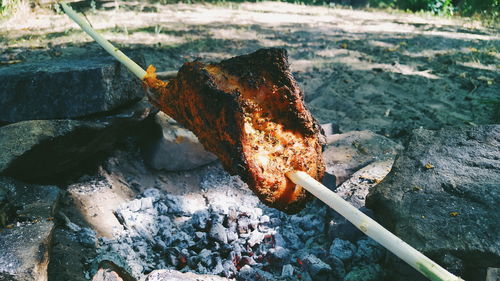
249,111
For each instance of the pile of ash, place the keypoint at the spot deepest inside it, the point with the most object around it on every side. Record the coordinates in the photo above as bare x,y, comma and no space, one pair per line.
230,233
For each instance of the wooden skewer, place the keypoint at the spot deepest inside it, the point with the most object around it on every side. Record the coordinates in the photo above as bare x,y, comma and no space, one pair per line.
370,227
167,74
112,50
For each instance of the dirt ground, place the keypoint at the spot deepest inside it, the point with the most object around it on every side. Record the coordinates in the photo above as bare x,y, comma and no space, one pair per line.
386,72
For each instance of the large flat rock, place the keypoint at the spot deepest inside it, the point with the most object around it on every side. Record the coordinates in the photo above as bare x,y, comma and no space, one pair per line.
359,160
176,148
25,252
25,242
442,197
7,209
65,88
353,151
40,149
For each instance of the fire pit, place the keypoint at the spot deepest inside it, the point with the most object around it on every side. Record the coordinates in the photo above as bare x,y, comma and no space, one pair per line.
205,221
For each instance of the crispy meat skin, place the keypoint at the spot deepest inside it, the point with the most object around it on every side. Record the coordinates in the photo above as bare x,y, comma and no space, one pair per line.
249,111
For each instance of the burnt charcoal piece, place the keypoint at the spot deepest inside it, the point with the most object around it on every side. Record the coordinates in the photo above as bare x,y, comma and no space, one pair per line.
249,111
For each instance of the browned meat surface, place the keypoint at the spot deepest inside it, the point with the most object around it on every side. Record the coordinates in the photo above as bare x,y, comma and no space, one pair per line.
249,111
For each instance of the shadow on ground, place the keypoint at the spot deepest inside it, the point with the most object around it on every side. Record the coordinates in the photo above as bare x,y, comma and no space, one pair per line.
386,73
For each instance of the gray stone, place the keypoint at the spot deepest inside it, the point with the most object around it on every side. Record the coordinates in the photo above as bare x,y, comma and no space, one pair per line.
278,256
38,150
287,270
330,129
218,233
65,88
174,275
26,242
264,219
308,222
243,225
338,267
113,258
25,251
108,271
218,267
97,199
229,269
355,189
493,274
350,152
342,249
200,220
7,209
318,269
248,273
255,238
279,240
32,202
246,260
368,252
442,194
232,236
205,254
370,272
292,239
177,148
106,274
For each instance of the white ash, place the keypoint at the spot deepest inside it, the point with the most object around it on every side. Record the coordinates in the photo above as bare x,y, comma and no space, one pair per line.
226,231
89,185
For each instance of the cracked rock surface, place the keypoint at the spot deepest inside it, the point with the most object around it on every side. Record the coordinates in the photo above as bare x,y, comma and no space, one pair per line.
442,197
25,242
66,88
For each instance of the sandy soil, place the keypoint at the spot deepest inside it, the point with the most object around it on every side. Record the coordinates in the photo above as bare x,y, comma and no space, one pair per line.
384,72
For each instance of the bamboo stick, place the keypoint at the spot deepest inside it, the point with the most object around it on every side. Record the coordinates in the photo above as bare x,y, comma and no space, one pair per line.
167,74
371,228
112,50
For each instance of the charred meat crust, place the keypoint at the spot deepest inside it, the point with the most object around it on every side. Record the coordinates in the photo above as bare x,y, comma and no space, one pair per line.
249,111
272,64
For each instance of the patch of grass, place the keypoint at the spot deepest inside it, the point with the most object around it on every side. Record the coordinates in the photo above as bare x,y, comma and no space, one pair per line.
9,7
485,10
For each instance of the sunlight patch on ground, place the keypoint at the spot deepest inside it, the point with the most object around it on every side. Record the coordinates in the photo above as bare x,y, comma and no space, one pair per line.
269,43
401,69
144,38
409,70
238,34
354,63
382,27
459,35
329,21
424,53
303,65
381,44
332,53
478,65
